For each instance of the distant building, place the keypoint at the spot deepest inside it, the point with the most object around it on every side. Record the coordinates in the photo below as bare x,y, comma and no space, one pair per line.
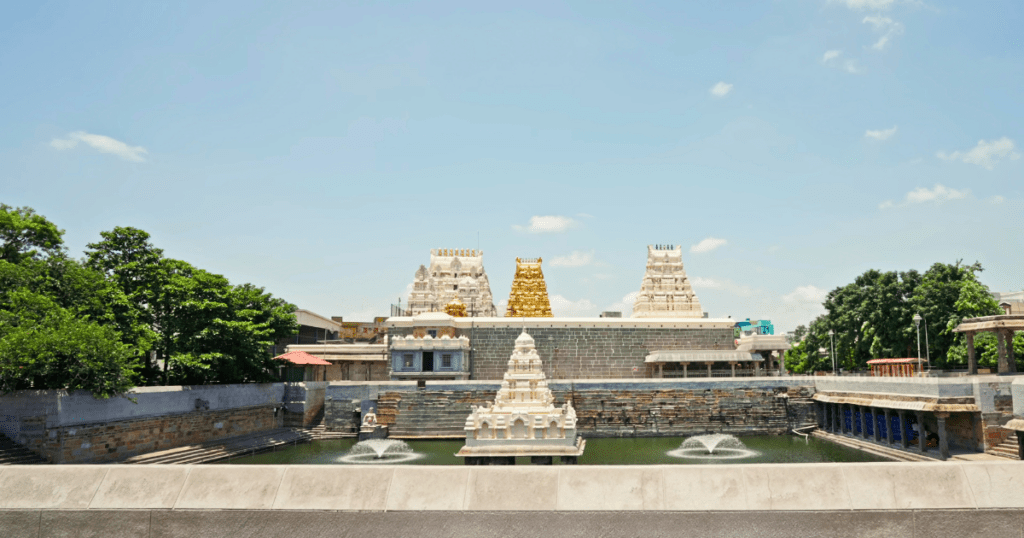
665,291
611,315
1011,302
453,274
313,328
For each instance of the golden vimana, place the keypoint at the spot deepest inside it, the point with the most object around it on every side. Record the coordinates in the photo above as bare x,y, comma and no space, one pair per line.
529,296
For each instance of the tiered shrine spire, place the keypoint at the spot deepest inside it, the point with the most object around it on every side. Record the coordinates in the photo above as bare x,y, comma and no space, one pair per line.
529,296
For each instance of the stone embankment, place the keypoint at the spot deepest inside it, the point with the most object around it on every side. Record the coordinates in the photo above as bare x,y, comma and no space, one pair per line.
625,409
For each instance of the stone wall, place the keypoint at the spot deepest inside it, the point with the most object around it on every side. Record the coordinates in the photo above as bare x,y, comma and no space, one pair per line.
583,352
615,409
115,441
75,427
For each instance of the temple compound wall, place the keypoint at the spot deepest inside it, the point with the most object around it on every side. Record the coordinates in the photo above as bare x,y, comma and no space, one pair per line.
621,408
77,428
607,348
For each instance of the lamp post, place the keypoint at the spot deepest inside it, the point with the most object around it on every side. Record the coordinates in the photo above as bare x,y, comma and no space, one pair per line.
917,327
832,338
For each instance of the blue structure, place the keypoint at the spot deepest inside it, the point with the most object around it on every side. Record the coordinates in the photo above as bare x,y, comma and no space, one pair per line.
758,326
429,358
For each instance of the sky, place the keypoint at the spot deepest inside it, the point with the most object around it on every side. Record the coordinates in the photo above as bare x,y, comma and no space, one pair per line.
321,149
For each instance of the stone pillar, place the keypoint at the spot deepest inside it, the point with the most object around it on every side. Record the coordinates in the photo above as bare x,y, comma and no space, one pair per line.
685,364
888,426
972,362
863,422
661,372
782,362
1004,366
903,430
874,424
922,437
1011,361
709,368
943,435
732,364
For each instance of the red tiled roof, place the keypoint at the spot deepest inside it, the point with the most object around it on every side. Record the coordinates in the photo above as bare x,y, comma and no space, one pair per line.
302,358
892,361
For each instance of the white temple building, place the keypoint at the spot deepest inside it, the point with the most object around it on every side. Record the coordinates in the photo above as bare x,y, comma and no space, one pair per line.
453,273
523,421
665,291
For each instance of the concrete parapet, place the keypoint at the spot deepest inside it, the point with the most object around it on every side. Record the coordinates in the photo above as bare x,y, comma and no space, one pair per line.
655,488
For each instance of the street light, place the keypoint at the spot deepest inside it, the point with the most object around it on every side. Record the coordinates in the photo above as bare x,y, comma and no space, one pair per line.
832,337
917,326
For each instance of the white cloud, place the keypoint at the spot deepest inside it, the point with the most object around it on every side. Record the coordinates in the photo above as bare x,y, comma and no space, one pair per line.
882,134
985,154
852,67
879,22
886,26
702,283
869,4
576,259
721,89
562,307
103,144
831,55
806,294
938,194
997,199
625,305
547,224
708,245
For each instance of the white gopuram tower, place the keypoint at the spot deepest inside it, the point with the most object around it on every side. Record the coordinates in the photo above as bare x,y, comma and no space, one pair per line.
523,420
666,291
453,274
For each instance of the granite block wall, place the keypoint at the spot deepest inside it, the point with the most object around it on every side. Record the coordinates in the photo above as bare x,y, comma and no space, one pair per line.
583,353
616,412
115,441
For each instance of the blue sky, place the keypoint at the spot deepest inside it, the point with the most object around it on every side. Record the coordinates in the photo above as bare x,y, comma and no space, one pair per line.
321,149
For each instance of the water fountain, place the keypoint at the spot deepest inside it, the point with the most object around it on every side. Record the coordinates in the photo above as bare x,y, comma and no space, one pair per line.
715,446
379,451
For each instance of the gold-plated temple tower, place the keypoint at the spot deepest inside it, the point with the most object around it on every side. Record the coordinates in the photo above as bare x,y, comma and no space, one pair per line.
529,297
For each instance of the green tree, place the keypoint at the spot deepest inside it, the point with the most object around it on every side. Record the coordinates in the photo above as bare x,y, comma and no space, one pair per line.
24,234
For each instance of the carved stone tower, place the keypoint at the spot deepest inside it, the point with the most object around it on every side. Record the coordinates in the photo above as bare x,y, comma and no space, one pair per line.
529,297
665,291
454,274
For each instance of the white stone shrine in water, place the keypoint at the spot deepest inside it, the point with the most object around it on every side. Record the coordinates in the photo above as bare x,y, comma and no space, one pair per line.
523,421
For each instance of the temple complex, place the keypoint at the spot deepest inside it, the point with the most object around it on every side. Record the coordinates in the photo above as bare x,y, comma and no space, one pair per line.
523,420
666,291
529,296
453,274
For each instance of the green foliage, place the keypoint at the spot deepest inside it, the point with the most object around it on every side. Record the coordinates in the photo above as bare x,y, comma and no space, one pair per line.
92,325
873,317
43,345
208,331
22,232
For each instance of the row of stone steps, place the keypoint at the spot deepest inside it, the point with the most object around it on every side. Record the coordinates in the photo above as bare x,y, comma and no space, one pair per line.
882,451
226,448
320,432
424,416
12,453
1007,449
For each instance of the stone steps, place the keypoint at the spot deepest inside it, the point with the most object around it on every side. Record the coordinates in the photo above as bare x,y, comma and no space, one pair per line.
1007,449
222,449
894,454
12,453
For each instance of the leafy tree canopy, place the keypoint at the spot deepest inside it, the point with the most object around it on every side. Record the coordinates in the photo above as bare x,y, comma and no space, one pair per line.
872,317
